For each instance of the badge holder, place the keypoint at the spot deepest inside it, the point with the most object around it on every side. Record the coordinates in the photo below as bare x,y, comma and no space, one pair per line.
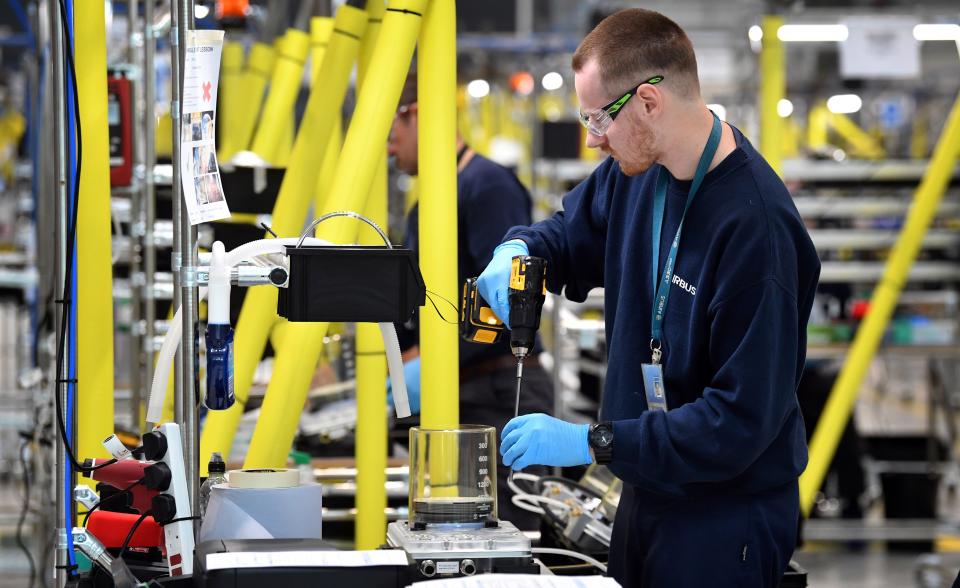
653,380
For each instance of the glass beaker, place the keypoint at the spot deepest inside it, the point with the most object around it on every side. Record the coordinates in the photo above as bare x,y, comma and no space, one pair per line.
453,476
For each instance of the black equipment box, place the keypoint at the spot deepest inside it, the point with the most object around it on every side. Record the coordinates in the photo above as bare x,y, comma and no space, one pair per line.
291,577
361,284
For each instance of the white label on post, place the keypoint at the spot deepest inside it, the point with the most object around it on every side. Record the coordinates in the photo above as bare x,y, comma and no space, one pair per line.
880,47
199,172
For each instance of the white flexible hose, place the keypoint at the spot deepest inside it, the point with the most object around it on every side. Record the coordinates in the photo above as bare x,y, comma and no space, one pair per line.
158,388
391,345
574,554
519,502
521,498
517,499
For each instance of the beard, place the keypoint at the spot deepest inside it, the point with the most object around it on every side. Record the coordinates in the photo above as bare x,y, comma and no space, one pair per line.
637,154
635,167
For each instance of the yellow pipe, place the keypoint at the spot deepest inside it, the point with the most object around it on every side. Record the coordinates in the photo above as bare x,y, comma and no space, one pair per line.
94,267
773,86
437,83
329,165
285,145
372,118
837,411
320,29
12,126
231,100
860,142
163,138
791,138
284,87
818,123
258,314
278,332
253,82
370,526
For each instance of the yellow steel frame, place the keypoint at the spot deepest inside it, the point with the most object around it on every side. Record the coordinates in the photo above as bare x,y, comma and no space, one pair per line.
94,267
370,526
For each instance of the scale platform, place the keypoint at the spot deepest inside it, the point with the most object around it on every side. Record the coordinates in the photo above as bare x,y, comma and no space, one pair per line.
464,550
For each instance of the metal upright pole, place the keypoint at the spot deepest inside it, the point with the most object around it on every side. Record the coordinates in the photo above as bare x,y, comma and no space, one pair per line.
176,197
135,40
149,194
187,400
57,90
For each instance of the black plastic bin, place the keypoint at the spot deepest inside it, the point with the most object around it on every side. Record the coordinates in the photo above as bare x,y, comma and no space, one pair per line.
908,494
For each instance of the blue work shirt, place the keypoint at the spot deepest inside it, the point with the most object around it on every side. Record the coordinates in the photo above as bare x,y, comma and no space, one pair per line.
490,200
735,325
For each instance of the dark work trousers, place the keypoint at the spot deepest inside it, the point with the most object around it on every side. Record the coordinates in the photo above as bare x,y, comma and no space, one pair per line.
489,400
717,541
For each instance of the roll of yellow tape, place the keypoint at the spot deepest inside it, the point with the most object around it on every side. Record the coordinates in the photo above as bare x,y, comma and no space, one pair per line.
263,478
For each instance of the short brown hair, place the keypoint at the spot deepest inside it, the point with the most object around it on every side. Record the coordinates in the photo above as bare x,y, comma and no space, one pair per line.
634,44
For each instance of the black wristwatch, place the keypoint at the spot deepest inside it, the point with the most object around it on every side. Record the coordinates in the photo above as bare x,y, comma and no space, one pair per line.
600,438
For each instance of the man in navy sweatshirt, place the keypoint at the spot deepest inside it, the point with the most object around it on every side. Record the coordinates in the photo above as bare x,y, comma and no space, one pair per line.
708,277
490,200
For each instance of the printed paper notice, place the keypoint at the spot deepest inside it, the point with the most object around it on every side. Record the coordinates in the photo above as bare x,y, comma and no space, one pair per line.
199,172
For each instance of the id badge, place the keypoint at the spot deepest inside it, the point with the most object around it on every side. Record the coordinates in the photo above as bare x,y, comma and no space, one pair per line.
654,386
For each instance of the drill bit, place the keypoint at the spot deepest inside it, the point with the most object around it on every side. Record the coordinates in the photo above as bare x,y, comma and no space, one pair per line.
516,406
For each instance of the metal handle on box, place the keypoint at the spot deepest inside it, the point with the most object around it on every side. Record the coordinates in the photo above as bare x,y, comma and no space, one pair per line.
359,217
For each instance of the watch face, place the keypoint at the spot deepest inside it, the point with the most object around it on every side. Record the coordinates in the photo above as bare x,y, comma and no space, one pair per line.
602,436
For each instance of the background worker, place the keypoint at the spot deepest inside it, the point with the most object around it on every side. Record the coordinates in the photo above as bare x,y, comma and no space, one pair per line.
490,200
710,495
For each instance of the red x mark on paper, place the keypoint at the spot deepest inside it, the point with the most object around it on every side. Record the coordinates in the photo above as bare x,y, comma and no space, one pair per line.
206,91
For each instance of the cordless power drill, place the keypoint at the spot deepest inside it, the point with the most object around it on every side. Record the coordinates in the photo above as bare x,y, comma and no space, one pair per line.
527,291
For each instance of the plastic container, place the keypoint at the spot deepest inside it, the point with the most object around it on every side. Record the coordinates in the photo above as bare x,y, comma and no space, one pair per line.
453,476
216,474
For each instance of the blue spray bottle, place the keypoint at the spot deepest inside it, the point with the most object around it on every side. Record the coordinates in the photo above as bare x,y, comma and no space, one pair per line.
219,334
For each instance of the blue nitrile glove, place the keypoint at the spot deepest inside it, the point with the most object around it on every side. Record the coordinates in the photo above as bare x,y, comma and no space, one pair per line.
494,282
539,439
411,374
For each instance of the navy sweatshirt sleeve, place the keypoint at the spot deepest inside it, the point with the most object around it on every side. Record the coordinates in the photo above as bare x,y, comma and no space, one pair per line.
573,239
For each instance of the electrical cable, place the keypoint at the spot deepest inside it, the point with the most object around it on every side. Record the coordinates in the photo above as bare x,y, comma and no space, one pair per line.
574,554
123,492
521,498
71,247
23,514
133,529
172,521
440,314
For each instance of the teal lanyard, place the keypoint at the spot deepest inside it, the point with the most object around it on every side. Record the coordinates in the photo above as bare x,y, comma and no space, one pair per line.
662,289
